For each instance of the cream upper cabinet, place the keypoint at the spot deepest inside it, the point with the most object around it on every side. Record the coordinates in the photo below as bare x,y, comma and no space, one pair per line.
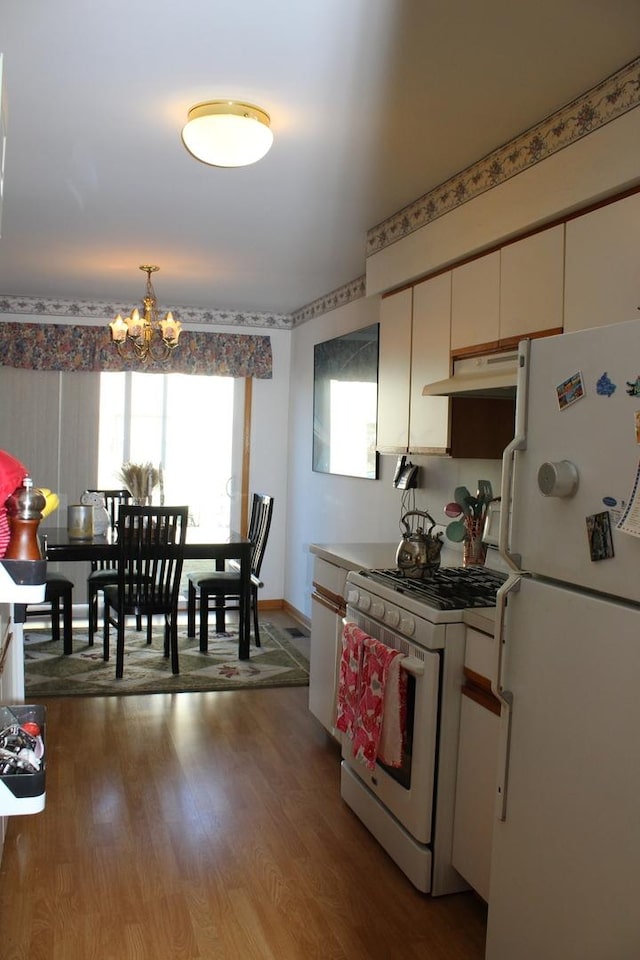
532,284
430,353
602,278
394,372
475,303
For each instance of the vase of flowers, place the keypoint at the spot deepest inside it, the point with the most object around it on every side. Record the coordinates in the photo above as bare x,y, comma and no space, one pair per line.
140,479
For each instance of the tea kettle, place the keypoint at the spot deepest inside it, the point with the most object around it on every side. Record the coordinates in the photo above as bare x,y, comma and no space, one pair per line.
418,554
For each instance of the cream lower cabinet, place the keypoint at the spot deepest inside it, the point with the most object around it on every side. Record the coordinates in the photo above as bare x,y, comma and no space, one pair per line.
477,767
327,611
602,282
414,350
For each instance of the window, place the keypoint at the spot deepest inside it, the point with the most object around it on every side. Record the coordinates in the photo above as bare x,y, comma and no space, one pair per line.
183,423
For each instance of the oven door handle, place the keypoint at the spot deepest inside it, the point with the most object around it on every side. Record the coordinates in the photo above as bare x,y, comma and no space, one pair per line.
413,666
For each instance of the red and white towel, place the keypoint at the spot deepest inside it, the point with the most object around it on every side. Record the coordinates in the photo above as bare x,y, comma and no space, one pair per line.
371,698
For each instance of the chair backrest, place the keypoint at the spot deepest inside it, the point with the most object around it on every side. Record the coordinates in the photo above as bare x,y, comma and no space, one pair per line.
259,525
113,500
151,552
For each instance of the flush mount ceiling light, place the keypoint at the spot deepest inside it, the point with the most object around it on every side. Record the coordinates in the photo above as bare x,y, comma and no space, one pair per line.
227,133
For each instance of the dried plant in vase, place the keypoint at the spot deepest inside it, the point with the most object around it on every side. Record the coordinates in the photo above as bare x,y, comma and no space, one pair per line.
140,479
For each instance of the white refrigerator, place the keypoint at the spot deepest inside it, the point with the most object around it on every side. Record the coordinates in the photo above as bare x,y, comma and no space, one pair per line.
565,868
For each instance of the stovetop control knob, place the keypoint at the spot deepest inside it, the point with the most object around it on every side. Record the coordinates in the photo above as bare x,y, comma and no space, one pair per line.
364,601
352,597
407,626
392,617
377,609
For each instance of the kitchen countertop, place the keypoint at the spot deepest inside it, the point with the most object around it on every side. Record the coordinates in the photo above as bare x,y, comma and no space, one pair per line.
357,556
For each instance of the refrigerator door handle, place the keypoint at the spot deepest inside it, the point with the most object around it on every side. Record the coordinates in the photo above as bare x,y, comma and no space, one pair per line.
504,751
512,585
519,442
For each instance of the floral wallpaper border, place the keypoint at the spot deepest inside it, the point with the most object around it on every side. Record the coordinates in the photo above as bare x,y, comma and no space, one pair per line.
604,102
100,310
353,290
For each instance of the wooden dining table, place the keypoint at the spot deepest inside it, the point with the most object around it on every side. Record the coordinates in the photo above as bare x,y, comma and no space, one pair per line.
58,546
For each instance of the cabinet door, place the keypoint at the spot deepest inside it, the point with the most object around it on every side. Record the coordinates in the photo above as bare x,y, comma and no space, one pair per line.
475,794
430,361
324,661
394,370
531,284
475,303
601,272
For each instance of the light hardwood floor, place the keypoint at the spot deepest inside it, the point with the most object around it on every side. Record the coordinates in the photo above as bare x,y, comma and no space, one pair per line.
209,826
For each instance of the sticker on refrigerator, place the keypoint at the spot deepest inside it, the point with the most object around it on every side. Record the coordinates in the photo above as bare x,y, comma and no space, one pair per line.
570,390
636,420
633,387
629,522
605,387
616,508
599,533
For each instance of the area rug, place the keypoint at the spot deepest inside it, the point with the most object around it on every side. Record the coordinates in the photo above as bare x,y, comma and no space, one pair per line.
48,673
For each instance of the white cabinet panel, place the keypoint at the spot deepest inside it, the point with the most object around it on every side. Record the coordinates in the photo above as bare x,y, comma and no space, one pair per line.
475,794
326,633
430,361
475,302
602,283
532,284
394,372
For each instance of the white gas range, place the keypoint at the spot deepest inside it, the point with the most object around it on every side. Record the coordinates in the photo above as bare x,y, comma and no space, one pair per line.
410,810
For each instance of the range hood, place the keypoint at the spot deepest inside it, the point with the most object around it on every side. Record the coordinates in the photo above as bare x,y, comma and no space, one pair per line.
492,375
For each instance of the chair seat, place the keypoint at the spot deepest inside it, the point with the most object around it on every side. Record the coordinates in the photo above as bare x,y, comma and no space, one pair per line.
222,578
209,579
103,576
56,581
152,603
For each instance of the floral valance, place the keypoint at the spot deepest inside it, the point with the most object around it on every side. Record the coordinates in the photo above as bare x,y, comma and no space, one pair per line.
56,346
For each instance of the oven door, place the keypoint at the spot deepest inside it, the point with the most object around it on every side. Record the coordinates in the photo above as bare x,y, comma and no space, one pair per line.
408,793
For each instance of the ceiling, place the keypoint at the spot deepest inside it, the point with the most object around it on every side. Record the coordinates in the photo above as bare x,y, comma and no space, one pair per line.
372,102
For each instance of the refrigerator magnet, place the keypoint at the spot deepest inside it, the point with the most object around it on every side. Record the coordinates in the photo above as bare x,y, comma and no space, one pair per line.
599,533
633,387
570,390
605,387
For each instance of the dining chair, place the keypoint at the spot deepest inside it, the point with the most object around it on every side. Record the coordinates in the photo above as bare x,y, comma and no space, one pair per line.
104,572
224,585
150,555
58,594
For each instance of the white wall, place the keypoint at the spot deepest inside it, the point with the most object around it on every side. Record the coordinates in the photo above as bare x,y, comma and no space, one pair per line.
324,508
268,466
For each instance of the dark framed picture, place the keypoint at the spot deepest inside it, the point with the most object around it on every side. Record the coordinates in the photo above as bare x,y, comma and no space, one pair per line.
345,404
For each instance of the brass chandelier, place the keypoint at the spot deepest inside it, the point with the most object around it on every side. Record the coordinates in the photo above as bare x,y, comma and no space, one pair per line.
146,337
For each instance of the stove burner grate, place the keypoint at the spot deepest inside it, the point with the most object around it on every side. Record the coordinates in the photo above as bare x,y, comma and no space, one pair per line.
449,588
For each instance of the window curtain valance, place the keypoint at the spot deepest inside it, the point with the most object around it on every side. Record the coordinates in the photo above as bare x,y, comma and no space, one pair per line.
57,346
